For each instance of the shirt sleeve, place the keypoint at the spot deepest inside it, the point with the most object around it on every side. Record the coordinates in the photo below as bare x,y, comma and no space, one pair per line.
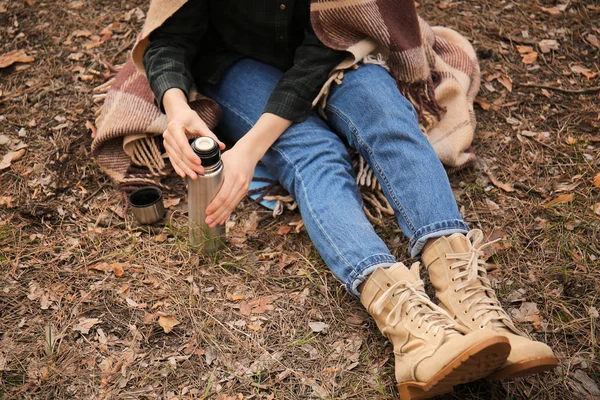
294,93
167,59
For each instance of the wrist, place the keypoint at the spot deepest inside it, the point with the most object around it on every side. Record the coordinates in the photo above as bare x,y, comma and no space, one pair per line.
174,101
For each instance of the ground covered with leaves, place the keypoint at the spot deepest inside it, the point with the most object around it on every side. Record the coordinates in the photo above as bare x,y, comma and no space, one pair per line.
94,306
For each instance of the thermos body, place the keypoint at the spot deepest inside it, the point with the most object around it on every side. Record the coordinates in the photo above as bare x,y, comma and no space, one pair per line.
201,192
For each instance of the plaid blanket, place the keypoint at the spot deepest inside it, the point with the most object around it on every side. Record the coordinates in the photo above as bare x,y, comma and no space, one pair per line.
436,68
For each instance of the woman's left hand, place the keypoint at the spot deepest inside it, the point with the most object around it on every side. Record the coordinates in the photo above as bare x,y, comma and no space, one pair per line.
238,170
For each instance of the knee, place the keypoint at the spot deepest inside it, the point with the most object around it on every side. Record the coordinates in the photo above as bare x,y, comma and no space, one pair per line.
315,166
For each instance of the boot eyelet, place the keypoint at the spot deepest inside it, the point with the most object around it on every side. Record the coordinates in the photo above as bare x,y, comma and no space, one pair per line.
388,284
466,312
473,319
459,301
481,327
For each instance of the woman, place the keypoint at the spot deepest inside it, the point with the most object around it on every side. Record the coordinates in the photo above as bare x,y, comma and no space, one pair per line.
262,62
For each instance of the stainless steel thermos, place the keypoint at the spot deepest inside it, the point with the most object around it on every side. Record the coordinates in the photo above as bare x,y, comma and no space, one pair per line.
201,192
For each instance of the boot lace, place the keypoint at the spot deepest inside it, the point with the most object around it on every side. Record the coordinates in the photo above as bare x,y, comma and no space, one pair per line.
411,296
473,279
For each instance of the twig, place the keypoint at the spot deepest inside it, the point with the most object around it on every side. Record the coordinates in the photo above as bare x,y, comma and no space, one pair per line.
558,89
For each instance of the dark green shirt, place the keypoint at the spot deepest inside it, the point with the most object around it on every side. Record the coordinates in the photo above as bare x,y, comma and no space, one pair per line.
204,37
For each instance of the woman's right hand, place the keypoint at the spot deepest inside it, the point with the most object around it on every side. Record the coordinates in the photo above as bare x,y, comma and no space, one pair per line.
183,121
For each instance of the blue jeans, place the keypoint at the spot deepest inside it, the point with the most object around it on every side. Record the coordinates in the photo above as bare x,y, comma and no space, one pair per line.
311,161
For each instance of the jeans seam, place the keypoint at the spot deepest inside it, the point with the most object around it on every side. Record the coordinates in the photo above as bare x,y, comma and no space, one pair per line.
310,210
354,131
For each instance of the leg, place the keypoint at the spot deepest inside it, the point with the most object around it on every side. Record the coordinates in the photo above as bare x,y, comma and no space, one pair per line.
369,112
312,163
416,185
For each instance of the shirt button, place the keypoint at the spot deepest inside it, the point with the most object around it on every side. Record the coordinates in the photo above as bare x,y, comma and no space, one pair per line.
282,7
281,37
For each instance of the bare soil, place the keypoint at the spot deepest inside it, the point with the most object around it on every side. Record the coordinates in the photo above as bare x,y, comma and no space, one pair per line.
86,295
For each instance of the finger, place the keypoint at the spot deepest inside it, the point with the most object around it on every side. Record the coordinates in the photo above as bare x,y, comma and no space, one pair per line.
234,204
181,142
214,209
178,163
229,205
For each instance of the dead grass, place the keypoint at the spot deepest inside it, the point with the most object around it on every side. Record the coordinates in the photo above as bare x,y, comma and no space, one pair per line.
244,316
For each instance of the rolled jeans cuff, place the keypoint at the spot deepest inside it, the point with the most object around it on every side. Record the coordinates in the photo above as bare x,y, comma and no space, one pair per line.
435,230
365,268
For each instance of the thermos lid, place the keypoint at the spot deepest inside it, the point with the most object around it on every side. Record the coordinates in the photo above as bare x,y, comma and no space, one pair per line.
208,151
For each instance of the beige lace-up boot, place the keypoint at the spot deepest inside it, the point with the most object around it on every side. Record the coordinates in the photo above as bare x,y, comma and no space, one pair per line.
433,353
457,271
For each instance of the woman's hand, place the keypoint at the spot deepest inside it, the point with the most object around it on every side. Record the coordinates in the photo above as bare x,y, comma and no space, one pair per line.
238,170
182,121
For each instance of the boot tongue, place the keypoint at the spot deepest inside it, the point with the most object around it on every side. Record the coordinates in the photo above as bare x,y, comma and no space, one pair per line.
399,272
459,243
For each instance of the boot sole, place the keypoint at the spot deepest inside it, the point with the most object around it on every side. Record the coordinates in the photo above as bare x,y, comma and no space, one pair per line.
475,363
524,368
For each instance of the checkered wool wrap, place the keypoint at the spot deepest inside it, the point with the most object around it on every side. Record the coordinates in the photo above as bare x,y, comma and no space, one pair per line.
436,68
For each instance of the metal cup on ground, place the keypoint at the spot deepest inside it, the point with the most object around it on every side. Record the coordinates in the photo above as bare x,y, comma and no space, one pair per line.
200,194
147,204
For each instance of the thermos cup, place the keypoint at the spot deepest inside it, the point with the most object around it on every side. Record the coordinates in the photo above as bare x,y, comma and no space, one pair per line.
200,194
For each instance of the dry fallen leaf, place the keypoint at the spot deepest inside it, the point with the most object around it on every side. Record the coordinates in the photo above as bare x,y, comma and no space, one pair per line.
14,56
172,202
562,199
506,82
8,159
8,202
530,58
90,125
85,324
318,326
168,322
578,69
548,45
284,230
507,187
556,10
524,49
597,180
528,313
596,208
483,104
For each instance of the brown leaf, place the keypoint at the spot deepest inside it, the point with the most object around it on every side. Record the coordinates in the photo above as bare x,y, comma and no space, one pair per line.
578,69
528,313
161,238
90,125
507,187
85,324
547,45
596,182
117,269
168,322
8,159
593,40
524,49
562,199
14,56
596,209
245,308
506,82
553,10
81,32
530,58
7,201
284,230
172,202
483,104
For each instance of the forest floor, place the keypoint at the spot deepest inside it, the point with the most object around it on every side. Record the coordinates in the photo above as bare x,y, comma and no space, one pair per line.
94,306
